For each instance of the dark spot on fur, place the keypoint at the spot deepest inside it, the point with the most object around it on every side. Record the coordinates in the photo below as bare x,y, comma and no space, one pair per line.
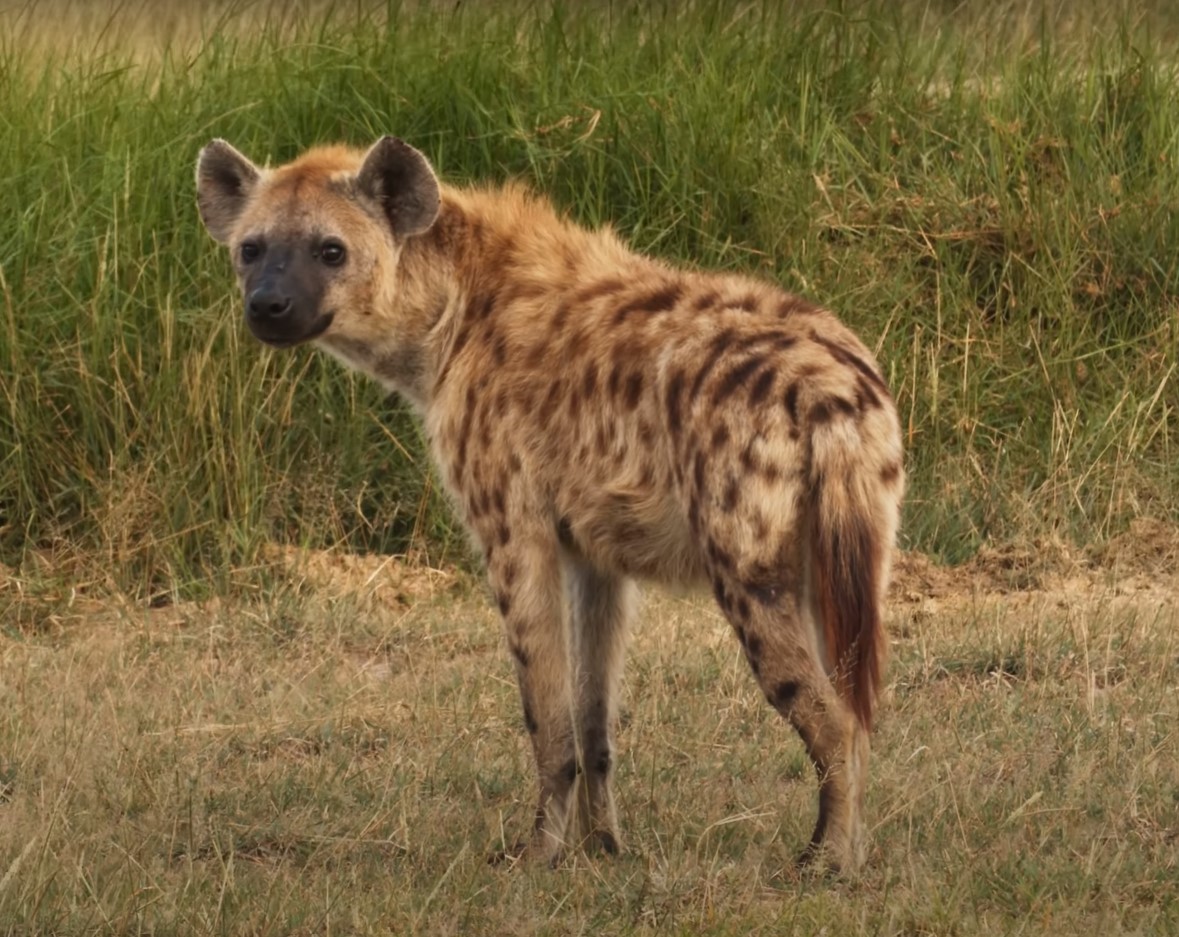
784,694
731,496
890,473
790,401
599,289
761,386
825,410
866,397
746,303
505,605
847,357
514,463
483,306
716,350
728,384
560,317
822,412
741,607
569,771
509,573
530,723
753,647
615,381
698,471
518,652
603,762
772,341
565,533
749,462
634,389
675,392
505,534
704,300
720,438
719,558
796,305
590,383
661,300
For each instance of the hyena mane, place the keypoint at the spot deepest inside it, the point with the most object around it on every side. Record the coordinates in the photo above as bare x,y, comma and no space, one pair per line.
600,417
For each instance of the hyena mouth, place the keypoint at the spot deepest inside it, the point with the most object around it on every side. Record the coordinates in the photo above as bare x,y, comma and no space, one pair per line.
285,339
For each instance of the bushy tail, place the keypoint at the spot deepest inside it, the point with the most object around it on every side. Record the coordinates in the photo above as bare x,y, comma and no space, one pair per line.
849,564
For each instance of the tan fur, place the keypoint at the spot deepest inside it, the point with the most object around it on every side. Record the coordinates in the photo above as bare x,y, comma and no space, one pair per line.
600,417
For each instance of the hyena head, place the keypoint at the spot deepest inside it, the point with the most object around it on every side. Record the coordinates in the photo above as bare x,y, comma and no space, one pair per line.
315,242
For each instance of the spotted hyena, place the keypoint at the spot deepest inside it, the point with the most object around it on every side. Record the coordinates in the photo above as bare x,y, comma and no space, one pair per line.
600,417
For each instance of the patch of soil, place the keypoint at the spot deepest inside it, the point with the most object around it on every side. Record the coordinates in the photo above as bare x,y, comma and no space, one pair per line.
1141,564
388,581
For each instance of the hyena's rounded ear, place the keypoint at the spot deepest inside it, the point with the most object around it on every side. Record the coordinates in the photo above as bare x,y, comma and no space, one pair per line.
400,179
224,181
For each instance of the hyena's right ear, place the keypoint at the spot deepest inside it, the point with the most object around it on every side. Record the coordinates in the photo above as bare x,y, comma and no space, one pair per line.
400,180
224,180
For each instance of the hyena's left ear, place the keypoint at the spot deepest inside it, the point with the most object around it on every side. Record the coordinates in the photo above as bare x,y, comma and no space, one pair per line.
225,180
400,179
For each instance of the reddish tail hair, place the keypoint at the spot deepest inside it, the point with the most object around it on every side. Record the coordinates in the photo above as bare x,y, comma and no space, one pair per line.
847,565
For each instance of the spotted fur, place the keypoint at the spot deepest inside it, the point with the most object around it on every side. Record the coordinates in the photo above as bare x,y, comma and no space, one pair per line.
600,417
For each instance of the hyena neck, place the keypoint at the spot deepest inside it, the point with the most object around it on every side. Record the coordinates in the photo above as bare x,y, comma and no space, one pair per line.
410,315
487,249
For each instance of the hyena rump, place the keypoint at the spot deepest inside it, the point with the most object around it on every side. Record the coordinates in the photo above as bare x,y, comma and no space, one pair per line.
600,417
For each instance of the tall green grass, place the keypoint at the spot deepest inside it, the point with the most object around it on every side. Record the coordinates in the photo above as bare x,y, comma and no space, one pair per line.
988,193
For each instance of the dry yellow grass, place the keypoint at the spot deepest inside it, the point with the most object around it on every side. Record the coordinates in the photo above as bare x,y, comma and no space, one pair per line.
342,754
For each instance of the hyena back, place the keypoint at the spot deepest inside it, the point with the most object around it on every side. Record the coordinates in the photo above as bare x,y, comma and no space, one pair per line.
600,417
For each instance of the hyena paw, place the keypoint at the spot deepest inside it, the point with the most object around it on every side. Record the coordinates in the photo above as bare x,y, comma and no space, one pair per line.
534,852
604,841
827,859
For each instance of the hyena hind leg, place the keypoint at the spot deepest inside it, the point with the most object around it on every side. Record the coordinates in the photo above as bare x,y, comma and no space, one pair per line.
601,604
526,579
783,655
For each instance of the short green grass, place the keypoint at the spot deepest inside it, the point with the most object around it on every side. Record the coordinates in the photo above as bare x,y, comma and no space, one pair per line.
987,192
314,765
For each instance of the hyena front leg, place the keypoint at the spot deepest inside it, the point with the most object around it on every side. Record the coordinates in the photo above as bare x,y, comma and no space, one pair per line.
524,569
601,605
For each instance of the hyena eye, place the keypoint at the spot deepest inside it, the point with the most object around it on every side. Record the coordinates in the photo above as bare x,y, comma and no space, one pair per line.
332,253
249,251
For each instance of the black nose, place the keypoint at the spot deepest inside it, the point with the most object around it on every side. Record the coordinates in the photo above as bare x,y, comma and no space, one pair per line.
268,304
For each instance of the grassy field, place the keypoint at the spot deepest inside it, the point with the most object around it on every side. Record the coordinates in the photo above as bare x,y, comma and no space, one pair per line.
339,759
199,735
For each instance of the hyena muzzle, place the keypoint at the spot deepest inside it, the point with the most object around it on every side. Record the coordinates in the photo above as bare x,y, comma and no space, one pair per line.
600,417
